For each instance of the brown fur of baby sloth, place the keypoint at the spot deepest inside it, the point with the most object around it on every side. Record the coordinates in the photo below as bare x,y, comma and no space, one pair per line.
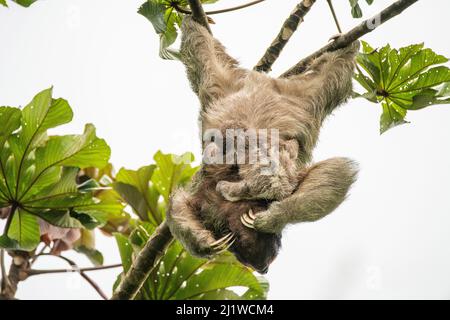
221,217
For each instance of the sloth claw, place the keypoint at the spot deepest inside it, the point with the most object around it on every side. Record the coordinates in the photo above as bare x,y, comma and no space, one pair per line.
228,245
248,219
335,37
223,243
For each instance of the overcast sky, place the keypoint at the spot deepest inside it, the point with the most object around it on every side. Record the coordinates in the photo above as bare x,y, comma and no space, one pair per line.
390,239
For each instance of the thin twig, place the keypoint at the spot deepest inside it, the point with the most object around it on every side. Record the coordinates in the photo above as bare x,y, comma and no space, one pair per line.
346,39
94,285
35,272
242,6
75,268
143,264
289,26
38,254
198,13
19,263
333,12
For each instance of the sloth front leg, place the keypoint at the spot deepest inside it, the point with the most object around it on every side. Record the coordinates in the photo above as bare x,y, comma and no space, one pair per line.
211,71
323,189
326,83
188,229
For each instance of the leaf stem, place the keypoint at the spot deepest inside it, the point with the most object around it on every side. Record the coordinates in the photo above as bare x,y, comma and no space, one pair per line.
333,12
242,6
9,219
287,30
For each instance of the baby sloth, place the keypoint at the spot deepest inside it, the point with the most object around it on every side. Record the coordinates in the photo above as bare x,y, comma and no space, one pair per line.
243,206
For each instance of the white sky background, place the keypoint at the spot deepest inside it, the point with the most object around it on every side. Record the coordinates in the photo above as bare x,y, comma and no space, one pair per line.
390,239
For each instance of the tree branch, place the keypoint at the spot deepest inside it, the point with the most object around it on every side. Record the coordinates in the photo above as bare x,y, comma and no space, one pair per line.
333,12
4,277
198,14
35,272
20,263
75,268
363,28
144,263
242,6
289,26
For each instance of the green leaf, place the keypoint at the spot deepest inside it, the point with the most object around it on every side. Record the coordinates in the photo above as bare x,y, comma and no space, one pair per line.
10,121
139,179
125,250
41,114
86,245
8,243
25,3
24,229
172,171
356,9
143,188
94,256
3,3
38,172
392,116
81,151
169,36
139,192
64,189
410,78
154,11
59,218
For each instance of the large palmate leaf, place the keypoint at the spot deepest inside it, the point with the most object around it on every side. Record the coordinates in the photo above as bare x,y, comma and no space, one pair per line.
356,9
166,21
145,188
179,276
410,78
38,173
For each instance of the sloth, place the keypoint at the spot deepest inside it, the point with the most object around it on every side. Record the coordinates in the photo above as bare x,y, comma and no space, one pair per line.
243,207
